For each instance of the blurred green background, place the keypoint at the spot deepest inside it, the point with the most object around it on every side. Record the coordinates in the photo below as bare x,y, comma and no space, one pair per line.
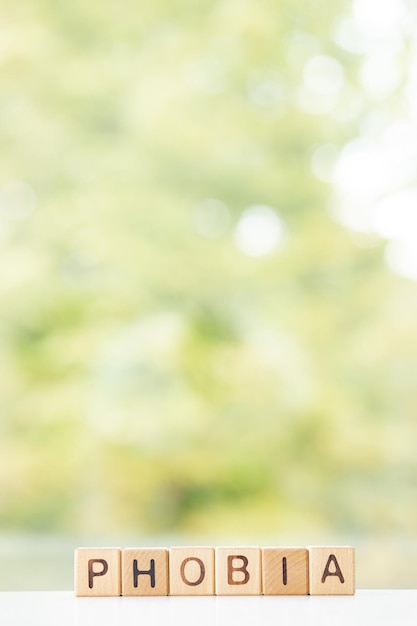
208,231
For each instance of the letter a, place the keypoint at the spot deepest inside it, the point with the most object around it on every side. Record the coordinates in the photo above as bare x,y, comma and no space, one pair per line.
337,571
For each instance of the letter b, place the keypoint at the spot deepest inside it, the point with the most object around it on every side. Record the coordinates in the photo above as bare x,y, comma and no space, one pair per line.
231,569
238,571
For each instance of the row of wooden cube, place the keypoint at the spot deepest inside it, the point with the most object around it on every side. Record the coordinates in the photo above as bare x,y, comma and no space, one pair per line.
316,570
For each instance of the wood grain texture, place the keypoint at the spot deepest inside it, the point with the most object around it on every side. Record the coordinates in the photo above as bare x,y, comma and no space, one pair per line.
97,572
145,572
332,570
285,571
191,571
238,571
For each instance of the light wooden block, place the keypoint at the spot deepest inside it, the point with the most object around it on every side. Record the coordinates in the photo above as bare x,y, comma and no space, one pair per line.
285,571
332,570
97,572
238,571
145,572
191,571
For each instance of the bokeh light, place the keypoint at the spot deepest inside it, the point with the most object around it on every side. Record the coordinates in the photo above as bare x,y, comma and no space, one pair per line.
259,231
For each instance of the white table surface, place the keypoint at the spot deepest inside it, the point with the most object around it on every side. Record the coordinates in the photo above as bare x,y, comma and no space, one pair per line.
367,607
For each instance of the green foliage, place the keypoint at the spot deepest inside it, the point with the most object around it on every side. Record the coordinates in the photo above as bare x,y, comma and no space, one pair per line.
153,375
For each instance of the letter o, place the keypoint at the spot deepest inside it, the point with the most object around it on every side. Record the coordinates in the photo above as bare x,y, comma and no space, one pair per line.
202,571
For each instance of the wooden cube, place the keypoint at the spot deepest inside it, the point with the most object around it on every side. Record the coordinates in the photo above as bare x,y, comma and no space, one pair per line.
285,571
238,571
191,571
97,572
145,572
332,570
